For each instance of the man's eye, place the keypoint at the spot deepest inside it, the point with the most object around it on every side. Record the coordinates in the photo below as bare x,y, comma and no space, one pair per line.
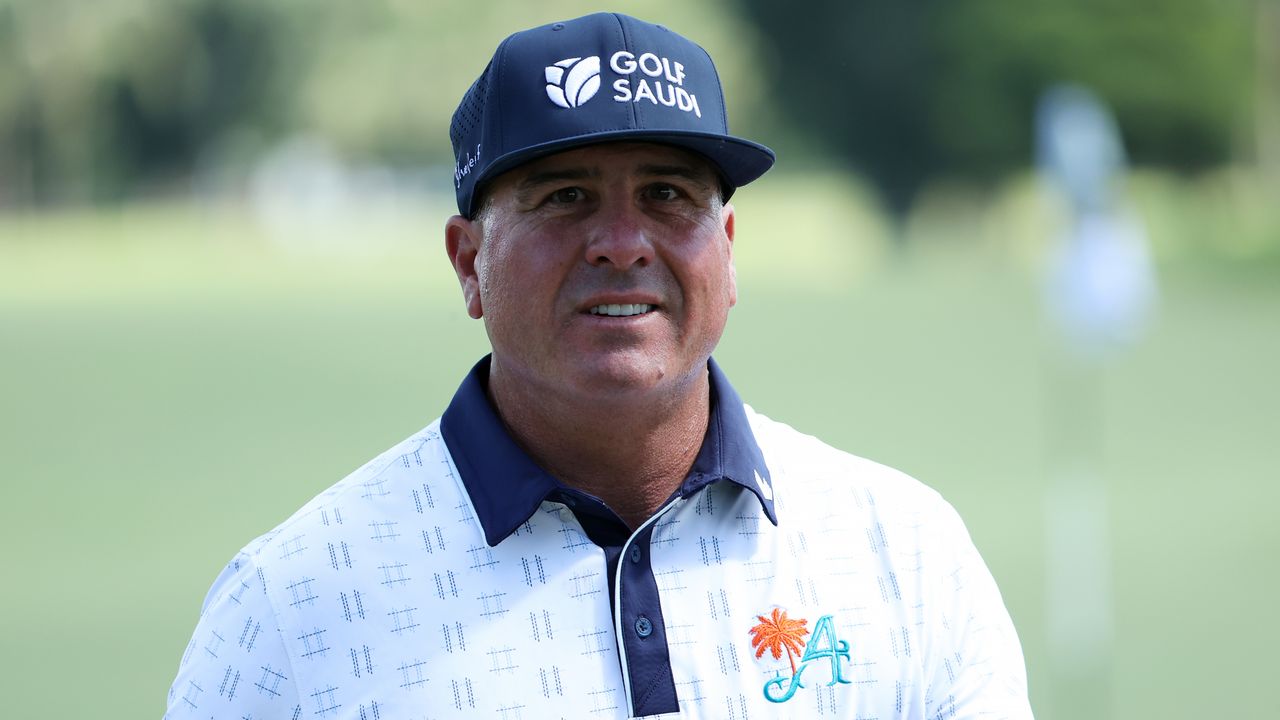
567,195
663,192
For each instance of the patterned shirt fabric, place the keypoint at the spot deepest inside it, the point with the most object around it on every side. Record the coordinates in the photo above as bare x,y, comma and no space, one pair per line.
451,577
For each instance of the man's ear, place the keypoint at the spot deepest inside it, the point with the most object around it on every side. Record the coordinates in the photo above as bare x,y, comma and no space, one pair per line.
462,242
727,219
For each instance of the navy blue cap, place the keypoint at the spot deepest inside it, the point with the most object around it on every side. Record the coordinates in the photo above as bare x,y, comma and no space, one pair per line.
598,78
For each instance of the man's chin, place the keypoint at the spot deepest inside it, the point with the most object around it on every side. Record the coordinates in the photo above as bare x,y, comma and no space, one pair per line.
622,374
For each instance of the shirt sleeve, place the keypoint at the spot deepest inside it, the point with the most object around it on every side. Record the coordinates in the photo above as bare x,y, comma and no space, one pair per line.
975,668
236,664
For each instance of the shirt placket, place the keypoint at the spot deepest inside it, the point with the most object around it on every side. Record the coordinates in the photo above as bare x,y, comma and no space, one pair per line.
638,623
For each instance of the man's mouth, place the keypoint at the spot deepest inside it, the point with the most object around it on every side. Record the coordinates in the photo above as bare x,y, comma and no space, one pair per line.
625,310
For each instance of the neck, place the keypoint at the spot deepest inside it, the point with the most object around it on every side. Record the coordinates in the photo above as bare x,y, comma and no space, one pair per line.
631,452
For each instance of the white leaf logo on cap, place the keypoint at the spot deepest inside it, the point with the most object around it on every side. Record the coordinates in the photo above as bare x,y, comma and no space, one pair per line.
573,81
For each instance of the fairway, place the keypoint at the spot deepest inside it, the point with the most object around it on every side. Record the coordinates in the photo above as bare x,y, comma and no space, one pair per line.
173,384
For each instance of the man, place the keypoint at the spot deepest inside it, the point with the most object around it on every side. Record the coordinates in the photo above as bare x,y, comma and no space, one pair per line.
597,527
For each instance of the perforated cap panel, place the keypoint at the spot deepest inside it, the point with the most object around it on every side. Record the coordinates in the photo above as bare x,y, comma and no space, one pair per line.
470,111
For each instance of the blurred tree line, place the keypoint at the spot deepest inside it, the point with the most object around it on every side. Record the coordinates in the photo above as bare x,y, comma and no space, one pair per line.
107,101
907,91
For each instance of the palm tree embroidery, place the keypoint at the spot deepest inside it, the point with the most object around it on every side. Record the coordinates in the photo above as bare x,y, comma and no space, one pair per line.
777,633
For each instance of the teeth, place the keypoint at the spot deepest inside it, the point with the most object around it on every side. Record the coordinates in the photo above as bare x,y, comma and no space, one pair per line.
625,310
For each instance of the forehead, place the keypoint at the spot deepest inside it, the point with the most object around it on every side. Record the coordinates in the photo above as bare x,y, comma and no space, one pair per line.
609,160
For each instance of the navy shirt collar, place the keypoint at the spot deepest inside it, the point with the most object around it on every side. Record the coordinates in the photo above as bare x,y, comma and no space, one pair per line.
506,486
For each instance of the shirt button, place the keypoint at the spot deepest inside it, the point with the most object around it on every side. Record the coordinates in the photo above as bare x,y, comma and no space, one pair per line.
644,628
635,553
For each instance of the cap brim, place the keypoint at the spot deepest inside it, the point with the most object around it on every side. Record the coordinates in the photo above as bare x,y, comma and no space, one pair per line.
737,160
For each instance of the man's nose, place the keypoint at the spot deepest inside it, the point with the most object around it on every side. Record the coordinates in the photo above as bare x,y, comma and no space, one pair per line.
620,238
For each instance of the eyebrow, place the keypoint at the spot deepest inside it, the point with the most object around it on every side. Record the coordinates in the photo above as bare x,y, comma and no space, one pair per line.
528,186
688,172
531,182
543,177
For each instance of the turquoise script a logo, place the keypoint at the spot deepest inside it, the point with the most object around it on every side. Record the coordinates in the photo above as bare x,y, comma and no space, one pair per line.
822,645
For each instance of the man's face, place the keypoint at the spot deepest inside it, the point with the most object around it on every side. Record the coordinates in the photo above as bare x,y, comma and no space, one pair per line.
604,271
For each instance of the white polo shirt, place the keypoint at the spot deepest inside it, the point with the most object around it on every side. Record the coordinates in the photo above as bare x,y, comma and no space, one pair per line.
451,577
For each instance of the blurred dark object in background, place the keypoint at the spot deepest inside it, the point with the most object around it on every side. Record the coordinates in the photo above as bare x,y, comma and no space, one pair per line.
905,92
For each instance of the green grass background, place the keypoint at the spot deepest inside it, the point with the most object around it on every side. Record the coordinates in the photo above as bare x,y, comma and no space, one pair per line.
173,383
